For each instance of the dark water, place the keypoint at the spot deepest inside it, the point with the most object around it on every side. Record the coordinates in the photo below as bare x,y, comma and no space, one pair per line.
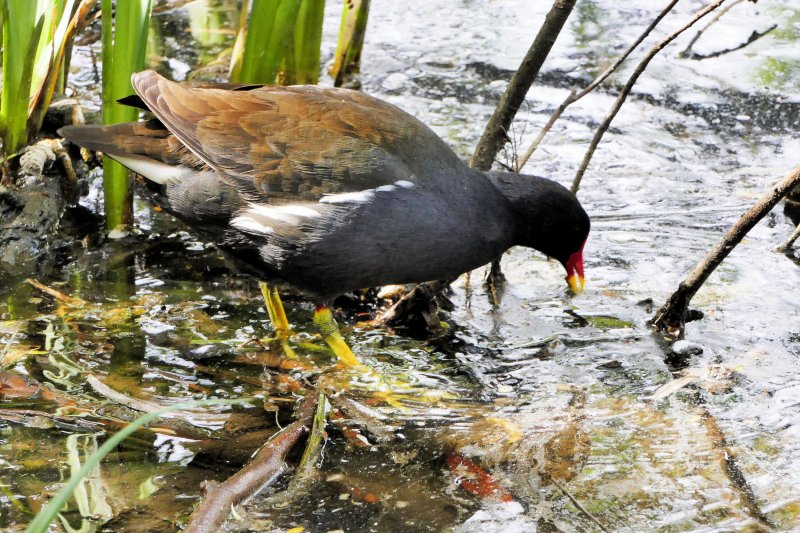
559,397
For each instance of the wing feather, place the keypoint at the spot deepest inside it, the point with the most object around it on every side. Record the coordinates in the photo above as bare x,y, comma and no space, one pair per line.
295,143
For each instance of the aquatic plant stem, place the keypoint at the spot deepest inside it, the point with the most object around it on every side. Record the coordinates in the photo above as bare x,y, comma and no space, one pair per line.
265,466
578,505
671,317
124,37
495,133
347,60
575,96
576,182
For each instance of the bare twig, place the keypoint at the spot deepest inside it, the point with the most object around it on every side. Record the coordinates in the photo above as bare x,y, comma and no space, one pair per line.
267,464
494,136
790,241
672,316
629,85
575,96
687,52
756,35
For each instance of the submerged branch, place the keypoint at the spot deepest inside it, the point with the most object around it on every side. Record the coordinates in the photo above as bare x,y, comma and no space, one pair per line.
576,182
265,466
575,96
672,316
731,466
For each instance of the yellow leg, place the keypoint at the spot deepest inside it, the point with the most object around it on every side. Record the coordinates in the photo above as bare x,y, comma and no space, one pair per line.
329,329
277,316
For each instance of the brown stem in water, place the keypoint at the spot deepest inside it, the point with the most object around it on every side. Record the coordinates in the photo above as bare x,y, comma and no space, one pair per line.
495,134
575,96
731,465
672,316
629,85
219,498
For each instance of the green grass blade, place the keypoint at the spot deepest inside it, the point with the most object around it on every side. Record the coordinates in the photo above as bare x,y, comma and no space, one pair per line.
237,56
22,30
41,523
307,41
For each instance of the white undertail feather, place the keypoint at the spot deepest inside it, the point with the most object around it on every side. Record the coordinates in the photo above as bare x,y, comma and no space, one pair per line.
156,171
264,219
250,225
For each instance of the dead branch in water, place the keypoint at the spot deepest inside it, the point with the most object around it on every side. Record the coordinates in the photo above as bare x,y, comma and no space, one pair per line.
671,318
756,35
267,464
575,96
576,182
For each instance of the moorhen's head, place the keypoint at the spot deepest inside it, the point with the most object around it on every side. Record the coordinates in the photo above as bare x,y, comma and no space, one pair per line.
548,218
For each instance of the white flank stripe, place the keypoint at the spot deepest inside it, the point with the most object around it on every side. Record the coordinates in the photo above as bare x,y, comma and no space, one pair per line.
404,183
250,225
348,197
156,171
288,214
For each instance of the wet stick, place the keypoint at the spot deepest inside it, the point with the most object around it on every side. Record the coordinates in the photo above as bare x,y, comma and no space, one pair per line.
495,134
672,316
267,464
790,241
623,95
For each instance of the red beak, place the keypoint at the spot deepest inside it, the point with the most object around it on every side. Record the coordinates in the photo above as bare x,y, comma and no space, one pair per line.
574,266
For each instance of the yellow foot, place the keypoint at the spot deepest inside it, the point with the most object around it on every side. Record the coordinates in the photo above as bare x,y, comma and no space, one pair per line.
277,316
323,318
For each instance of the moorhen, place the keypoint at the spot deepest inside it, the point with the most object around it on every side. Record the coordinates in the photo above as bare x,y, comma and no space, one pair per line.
330,190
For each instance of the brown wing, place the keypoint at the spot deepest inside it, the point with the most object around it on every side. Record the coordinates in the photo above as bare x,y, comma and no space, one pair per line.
296,142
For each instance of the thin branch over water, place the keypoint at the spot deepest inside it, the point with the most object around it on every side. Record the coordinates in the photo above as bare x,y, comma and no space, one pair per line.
575,96
629,85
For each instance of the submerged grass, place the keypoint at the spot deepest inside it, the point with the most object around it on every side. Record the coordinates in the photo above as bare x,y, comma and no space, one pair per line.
41,523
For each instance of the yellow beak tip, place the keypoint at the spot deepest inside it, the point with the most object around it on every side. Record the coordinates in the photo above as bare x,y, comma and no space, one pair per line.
576,283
